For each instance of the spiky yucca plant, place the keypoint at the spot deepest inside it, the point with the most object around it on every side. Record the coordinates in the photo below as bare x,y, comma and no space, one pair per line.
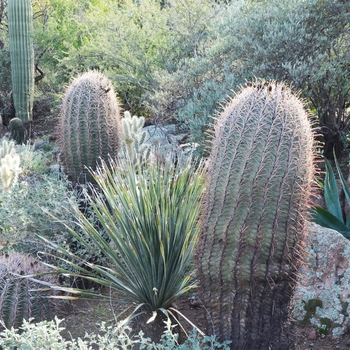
149,216
89,125
253,216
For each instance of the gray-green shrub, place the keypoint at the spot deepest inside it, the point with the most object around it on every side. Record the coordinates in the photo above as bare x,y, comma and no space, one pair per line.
46,335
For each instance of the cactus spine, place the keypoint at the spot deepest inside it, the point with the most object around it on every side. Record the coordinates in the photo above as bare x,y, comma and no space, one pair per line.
20,298
133,137
9,165
253,216
89,125
20,22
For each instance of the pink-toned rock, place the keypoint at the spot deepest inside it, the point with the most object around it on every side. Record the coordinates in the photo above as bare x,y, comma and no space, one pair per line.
322,295
312,335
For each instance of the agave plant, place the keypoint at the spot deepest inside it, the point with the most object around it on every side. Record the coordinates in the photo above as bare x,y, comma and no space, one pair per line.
148,216
333,217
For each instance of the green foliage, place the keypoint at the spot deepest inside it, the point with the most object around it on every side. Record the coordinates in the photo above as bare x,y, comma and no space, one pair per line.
333,216
46,335
133,138
23,211
89,125
20,24
149,215
21,298
18,131
259,175
9,165
270,40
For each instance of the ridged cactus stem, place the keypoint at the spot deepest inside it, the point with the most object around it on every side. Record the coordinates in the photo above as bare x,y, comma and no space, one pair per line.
20,22
89,125
253,217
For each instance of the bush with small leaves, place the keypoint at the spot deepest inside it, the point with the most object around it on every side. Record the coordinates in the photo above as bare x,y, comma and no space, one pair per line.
46,335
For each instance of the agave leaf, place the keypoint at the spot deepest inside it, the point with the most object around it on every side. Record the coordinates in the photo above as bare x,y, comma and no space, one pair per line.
324,218
331,194
344,186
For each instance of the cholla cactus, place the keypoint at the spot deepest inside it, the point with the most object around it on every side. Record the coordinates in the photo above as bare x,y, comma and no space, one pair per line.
134,145
9,165
7,148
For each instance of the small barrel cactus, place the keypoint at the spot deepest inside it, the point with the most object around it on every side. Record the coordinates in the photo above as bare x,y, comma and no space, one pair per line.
21,298
259,179
89,125
20,23
18,131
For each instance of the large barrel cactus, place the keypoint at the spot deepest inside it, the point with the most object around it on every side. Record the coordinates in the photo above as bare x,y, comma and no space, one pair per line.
253,217
20,22
21,298
89,125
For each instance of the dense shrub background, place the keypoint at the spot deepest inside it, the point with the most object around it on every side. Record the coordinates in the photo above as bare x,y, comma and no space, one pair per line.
178,59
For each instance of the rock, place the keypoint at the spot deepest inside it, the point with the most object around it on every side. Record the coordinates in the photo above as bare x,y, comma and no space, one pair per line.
312,335
166,139
322,296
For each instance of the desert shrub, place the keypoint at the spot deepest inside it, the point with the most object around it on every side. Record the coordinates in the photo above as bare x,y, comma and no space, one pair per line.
46,335
23,211
303,43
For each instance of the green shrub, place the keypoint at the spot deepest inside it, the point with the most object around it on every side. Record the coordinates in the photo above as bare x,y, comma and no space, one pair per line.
23,211
46,335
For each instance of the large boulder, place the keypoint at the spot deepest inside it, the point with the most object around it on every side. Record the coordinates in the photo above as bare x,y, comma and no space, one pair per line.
322,297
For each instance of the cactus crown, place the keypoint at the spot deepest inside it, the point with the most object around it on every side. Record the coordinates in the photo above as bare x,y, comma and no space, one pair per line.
89,125
253,217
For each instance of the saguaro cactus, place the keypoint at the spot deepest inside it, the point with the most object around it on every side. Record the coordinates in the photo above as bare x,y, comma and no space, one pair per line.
20,22
89,125
253,217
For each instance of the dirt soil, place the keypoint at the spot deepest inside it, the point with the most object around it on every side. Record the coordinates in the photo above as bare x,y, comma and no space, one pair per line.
84,316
